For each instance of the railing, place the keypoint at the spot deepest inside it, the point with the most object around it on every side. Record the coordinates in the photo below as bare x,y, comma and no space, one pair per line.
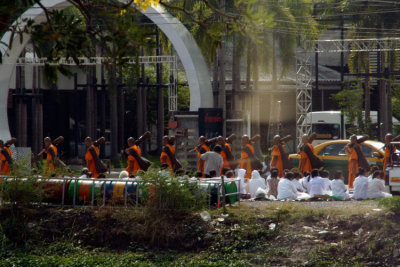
100,192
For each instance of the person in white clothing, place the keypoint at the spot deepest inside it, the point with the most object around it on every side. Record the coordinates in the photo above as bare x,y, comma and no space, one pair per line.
266,169
256,182
328,184
376,186
286,189
317,184
241,174
361,185
213,162
305,182
338,187
373,169
297,183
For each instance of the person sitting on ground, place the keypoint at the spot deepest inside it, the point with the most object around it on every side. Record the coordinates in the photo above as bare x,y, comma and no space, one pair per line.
305,182
123,175
373,169
361,185
230,174
376,187
85,173
338,187
241,174
256,182
317,184
213,161
325,175
286,189
296,182
273,183
266,169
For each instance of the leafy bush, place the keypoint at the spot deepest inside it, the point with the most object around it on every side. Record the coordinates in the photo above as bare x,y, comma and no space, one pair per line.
20,191
391,203
163,192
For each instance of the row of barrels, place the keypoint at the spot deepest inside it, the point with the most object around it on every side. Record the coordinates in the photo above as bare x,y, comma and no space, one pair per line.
81,192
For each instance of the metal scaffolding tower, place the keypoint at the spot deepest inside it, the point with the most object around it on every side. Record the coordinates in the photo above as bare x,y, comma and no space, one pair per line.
303,95
304,71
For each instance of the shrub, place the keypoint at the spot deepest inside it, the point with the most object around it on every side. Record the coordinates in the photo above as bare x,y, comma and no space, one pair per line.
163,192
391,203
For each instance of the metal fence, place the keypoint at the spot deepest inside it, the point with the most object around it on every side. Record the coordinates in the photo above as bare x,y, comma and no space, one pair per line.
78,192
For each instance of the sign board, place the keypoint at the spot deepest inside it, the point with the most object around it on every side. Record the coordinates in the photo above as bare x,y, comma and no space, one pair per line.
210,122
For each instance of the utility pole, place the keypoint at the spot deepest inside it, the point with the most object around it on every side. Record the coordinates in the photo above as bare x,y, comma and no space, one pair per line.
222,91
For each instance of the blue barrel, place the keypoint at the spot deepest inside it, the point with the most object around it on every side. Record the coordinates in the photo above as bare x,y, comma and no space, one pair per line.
109,188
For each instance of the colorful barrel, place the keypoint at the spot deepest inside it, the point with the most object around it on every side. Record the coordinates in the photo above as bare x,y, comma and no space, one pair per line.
108,188
97,190
118,193
53,189
230,188
74,184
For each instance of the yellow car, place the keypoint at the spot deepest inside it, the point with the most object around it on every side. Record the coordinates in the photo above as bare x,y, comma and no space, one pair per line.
334,156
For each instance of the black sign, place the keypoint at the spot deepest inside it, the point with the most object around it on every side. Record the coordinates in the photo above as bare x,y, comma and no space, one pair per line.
210,122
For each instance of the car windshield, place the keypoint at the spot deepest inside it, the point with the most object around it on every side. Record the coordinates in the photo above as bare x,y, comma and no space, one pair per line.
377,145
326,130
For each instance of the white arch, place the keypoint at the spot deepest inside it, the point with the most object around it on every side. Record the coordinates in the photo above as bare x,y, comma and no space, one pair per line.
189,53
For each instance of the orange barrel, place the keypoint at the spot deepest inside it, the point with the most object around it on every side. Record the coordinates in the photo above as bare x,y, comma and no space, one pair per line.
53,188
118,193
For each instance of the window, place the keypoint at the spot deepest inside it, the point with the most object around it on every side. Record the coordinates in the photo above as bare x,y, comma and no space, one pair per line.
367,151
333,150
326,130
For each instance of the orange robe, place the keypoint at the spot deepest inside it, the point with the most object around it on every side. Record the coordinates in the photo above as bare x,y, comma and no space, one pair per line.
303,156
200,162
133,164
164,158
50,159
225,157
278,163
92,166
387,157
245,161
353,160
5,170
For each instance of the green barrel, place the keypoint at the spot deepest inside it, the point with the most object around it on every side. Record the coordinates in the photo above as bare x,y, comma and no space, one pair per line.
72,184
230,188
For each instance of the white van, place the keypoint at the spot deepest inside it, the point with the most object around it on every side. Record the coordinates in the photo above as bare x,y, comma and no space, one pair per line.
331,125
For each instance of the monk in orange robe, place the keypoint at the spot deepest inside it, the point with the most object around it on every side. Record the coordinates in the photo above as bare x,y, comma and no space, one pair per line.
133,164
90,161
305,163
246,155
353,160
277,157
390,149
5,159
165,158
51,154
201,149
226,152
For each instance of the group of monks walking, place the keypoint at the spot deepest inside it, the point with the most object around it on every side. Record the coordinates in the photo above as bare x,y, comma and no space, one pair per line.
213,150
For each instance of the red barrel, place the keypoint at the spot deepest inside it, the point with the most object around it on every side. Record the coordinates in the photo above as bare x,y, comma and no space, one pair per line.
53,188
